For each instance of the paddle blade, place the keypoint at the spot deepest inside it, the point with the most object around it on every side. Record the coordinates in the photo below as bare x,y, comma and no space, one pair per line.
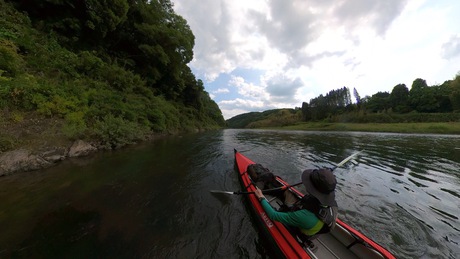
224,192
347,159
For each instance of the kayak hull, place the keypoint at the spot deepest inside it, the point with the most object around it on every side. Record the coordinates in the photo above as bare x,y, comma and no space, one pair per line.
343,242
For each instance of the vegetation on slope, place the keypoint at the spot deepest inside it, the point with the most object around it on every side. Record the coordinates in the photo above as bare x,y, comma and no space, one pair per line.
110,72
270,118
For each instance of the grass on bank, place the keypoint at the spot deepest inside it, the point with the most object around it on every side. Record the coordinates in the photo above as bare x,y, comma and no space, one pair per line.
422,127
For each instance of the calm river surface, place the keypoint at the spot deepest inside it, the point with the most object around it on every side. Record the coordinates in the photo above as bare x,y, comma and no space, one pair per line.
153,201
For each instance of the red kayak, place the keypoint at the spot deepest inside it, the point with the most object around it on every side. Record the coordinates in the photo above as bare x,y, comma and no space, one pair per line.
342,242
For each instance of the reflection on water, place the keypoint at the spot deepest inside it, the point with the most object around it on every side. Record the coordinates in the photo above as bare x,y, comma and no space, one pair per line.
153,200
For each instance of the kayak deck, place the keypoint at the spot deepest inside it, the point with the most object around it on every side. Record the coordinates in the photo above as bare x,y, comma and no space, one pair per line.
343,242
335,244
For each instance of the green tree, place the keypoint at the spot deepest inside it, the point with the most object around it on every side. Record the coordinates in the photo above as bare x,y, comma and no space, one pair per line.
112,71
103,16
426,99
79,20
319,108
147,37
378,102
357,98
421,99
306,111
454,95
10,60
335,101
157,44
419,84
193,90
211,109
356,95
443,100
399,99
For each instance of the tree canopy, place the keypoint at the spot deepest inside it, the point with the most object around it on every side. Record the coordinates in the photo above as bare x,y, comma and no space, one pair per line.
420,98
336,101
102,65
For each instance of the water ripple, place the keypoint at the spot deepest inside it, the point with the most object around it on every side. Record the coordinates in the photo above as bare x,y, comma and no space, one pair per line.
153,201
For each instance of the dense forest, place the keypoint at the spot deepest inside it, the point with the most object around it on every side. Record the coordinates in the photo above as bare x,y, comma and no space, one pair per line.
422,103
112,72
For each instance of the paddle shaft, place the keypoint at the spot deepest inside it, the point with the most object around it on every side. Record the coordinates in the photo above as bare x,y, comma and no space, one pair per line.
286,186
263,191
345,160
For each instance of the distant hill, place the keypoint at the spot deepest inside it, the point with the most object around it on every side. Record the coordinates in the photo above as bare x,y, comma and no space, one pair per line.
269,118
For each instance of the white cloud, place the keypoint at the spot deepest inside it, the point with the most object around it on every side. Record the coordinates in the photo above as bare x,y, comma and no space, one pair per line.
248,90
237,106
282,89
254,104
221,90
305,48
451,48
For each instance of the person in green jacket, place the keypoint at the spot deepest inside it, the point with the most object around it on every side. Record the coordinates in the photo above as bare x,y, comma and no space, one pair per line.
320,185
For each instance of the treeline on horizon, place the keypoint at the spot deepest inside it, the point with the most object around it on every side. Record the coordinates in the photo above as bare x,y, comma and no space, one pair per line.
111,71
422,103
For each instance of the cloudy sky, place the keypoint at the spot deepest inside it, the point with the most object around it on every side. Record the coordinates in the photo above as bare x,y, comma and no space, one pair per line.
255,55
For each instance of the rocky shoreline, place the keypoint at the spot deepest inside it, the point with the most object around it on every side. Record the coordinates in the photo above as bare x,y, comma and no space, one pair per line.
23,160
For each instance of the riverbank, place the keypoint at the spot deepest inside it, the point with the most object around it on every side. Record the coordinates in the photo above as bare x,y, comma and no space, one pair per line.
420,128
29,142
36,142
32,157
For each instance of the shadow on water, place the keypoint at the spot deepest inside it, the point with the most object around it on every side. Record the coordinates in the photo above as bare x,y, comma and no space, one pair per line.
69,233
153,200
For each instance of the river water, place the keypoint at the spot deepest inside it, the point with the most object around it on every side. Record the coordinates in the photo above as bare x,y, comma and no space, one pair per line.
153,201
